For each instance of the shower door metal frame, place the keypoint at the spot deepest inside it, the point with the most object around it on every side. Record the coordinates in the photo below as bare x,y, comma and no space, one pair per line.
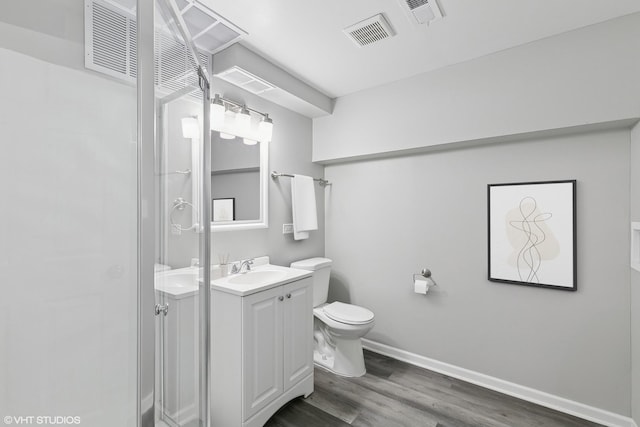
205,252
145,409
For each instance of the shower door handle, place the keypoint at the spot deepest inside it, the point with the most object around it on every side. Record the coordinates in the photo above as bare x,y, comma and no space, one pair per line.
162,309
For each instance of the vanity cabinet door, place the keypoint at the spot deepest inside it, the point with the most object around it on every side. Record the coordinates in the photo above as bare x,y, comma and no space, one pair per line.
262,315
297,331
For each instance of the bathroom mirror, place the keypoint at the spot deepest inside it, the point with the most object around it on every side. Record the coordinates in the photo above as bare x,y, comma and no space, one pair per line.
239,172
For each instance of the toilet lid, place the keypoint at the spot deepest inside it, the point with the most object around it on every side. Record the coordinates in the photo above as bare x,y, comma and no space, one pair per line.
348,313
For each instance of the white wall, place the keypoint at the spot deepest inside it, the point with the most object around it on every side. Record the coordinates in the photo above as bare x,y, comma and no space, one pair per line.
289,152
582,77
67,236
635,276
389,218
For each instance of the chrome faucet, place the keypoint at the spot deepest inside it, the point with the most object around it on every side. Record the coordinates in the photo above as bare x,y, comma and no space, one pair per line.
247,262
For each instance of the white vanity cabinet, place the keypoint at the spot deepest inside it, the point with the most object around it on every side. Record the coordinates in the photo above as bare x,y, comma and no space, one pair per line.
177,356
261,350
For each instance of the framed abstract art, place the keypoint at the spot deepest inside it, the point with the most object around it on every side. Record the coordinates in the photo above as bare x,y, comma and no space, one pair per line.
532,234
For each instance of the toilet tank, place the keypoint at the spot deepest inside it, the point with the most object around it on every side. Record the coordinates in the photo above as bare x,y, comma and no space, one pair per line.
321,268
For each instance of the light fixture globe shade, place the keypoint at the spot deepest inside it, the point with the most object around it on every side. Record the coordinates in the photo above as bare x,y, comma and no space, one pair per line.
190,128
248,141
217,116
243,120
265,129
227,136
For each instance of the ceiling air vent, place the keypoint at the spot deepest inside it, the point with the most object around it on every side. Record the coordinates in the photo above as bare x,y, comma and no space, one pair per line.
245,80
369,31
422,11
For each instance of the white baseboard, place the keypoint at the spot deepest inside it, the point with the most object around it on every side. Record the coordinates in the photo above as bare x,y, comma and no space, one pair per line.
521,392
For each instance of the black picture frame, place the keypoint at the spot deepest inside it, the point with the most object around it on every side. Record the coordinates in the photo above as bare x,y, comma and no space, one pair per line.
223,209
531,236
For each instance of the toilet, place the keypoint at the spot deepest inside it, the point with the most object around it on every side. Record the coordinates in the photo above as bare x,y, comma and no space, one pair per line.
338,326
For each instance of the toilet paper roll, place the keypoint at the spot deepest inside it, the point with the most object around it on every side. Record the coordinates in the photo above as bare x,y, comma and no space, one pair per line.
420,286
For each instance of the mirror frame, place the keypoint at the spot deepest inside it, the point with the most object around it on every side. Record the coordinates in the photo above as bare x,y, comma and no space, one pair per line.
261,222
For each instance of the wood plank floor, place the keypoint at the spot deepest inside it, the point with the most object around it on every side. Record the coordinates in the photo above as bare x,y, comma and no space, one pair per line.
396,394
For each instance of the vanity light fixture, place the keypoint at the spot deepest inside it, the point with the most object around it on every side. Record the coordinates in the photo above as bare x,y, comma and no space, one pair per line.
266,128
243,119
233,119
217,112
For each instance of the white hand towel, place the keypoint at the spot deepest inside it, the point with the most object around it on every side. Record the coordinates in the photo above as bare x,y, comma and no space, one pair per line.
303,205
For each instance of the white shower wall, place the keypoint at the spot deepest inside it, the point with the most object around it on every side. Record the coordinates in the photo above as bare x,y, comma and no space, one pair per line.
67,243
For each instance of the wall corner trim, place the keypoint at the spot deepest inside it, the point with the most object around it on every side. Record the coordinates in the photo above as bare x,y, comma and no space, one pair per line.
542,398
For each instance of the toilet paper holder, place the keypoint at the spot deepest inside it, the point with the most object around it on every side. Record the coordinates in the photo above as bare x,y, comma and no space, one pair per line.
426,284
426,273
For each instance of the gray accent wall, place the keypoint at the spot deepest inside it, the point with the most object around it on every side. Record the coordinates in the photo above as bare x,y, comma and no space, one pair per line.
583,77
635,277
410,162
389,218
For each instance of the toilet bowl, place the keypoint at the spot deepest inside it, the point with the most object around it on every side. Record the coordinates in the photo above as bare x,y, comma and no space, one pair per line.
338,326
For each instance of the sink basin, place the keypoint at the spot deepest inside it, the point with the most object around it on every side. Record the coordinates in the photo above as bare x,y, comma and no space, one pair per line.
262,276
257,277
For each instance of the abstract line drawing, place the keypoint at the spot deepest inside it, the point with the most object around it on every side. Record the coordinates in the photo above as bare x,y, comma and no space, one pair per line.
532,234
529,257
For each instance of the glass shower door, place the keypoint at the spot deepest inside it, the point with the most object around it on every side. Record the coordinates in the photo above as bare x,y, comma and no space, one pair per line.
182,255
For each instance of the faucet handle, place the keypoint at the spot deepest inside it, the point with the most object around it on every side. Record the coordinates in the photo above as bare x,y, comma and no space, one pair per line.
234,268
237,267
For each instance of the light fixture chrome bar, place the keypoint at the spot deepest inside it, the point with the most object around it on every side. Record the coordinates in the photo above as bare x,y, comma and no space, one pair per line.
239,105
323,182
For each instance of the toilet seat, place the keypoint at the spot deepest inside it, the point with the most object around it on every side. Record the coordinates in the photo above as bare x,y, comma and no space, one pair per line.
348,313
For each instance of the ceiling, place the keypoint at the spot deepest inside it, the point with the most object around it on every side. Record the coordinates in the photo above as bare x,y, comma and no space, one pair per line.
306,39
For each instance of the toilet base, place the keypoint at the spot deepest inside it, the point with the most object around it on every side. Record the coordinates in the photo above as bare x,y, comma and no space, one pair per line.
346,358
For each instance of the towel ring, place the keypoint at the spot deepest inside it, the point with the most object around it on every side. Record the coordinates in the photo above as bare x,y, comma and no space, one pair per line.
179,204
